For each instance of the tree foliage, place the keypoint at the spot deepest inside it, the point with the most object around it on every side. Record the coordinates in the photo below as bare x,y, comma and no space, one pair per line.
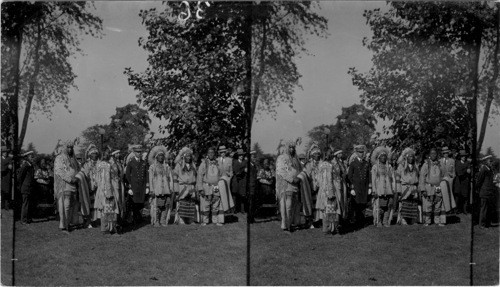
279,34
129,125
355,125
195,75
49,35
426,65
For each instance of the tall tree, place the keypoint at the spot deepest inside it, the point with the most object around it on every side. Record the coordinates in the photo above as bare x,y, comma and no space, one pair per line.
196,74
198,77
38,40
129,125
279,34
428,68
355,125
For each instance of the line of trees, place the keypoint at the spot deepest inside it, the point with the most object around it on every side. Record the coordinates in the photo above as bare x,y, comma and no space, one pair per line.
38,41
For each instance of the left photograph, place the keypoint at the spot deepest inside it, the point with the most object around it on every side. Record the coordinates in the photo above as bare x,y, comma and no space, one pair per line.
124,142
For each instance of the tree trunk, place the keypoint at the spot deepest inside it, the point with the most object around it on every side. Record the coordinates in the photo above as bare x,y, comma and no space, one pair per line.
492,86
262,68
32,85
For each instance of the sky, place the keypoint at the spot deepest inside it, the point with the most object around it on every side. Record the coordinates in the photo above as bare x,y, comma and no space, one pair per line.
327,87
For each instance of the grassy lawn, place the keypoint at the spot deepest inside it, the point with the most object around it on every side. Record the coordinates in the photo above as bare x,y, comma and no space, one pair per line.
175,255
400,255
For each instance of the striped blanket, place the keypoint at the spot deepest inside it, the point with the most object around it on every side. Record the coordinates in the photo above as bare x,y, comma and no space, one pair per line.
305,194
225,193
83,193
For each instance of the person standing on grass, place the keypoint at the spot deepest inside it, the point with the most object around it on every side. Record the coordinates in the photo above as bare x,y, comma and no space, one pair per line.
26,179
90,170
117,182
312,170
266,178
359,177
339,182
327,201
407,187
160,186
288,167
462,182
106,205
209,174
487,191
6,178
185,175
137,178
382,184
239,182
431,175
65,185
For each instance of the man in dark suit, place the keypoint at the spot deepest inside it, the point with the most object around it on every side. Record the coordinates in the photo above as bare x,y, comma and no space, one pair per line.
6,178
487,191
137,178
252,187
462,181
359,177
238,187
26,179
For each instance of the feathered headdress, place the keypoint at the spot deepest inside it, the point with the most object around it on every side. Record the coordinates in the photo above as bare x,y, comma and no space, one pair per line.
313,149
377,152
155,151
182,153
404,155
90,150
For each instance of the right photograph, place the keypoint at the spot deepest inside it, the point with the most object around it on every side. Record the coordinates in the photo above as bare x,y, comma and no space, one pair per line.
374,143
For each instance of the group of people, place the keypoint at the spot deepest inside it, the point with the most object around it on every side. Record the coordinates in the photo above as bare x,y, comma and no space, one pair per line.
324,188
336,191
103,189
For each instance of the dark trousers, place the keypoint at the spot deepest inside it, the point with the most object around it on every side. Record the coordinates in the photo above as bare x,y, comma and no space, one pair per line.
359,214
240,203
486,212
25,212
136,210
6,200
462,202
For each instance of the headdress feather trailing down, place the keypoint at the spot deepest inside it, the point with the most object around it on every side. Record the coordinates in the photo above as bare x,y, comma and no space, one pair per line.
377,152
404,155
155,151
280,147
92,148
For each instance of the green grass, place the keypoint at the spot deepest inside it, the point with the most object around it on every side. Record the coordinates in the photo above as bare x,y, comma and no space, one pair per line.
400,255
211,255
175,255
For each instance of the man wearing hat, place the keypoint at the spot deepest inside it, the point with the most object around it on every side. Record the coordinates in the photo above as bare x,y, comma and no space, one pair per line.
448,165
90,170
487,191
462,181
359,177
137,178
26,179
225,162
6,178
238,187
